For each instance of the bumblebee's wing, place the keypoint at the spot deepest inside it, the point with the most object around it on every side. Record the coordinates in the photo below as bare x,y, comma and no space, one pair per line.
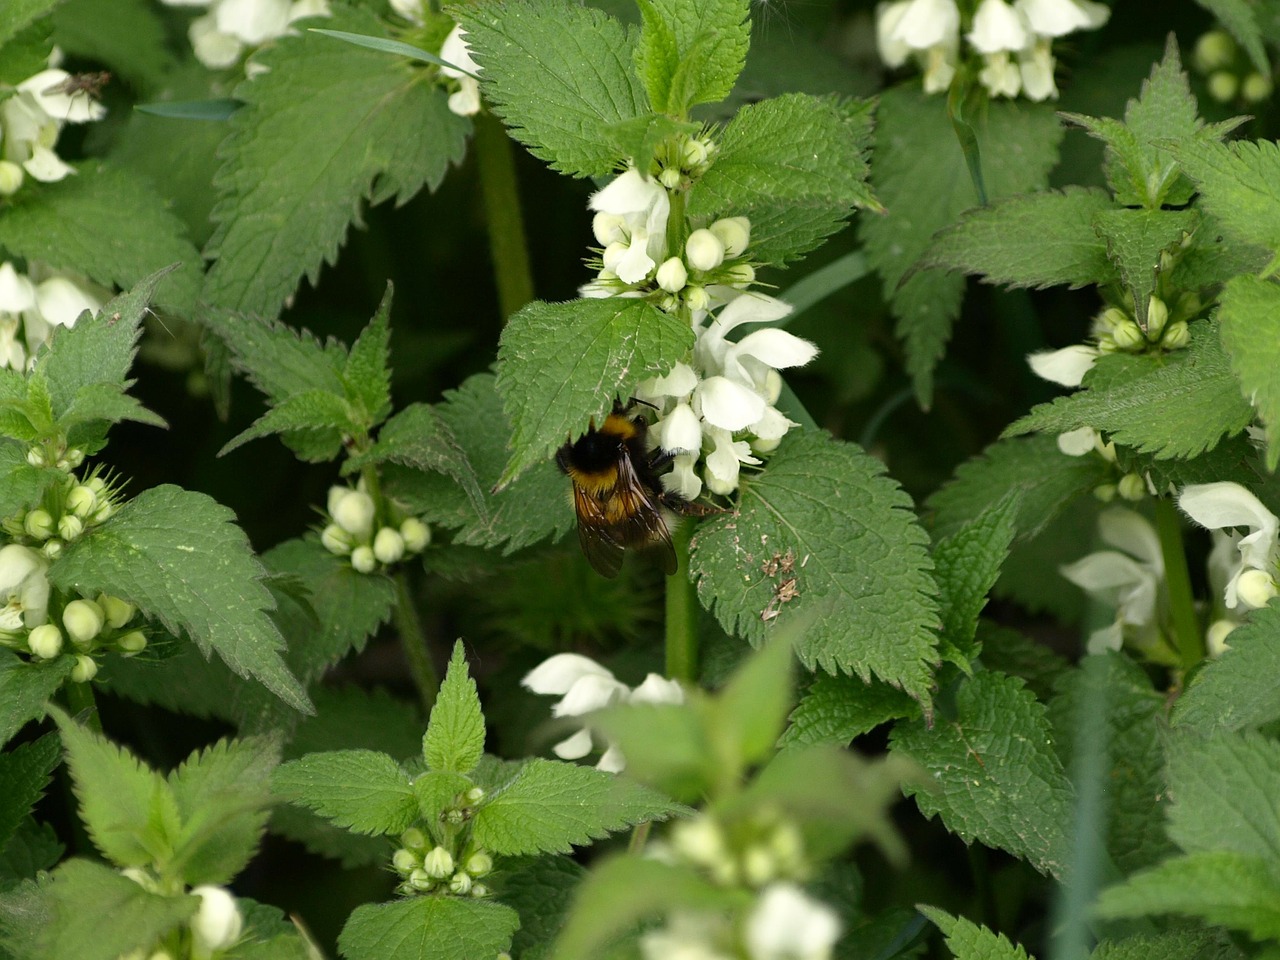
594,535
640,522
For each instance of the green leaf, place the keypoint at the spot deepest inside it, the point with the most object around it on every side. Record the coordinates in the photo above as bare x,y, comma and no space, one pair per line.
561,363
1223,787
579,61
966,565
110,225
367,375
25,772
540,889
127,36
213,110
969,941
428,928
793,151
1136,239
122,801
919,174
750,709
1249,323
1238,689
1178,405
551,807
300,160
1009,651
313,411
362,790
996,778
1038,240
454,741
177,556
1220,886
825,520
533,507
1185,944
84,895
33,848
621,891
708,41
18,14
384,45
419,436
277,359
1241,18
222,794
25,688
667,746
837,709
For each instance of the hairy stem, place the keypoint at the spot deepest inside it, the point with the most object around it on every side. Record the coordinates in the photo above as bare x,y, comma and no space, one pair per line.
502,209
82,704
414,641
1186,628
682,613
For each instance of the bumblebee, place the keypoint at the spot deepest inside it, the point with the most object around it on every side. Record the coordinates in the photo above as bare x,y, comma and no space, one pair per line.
617,494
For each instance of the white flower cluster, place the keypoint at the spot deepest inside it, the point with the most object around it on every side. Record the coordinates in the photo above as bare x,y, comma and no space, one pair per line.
1243,565
215,927
584,686
718,407
425,866
33,304
464,96
31,117
1015,40
221,36
353,530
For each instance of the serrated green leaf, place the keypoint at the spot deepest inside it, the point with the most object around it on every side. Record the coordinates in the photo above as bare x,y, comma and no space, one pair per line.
33,848
362,790
19,14
127,36
177,556
313,411
1238,689
837,709
109,225
1183,404
579,61
640,137
1241,18
21,484
551,807
83,894
540,889
1185,944
222,794
1038,240
966,565
533,507
969,941
119,797
1135,240
97,406
277,359
624,890
25,688
419,436
919,174
1220,886
367,375
300,160
708,41
25,772
795,150
1009,651
1223,787
562,363
428,928
454,741
825,520
1249,324
996,778
437,791
751,707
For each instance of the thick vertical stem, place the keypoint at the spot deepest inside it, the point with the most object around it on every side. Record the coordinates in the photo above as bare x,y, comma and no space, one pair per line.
502,209
1186,628
81,703
414,641
682,613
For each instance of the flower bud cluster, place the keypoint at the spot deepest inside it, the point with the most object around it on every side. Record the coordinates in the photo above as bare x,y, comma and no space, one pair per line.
750,853
1013,40
353,530
222,35
34,303
1117,330
67,509
429,867
215,927
32,115
1228,71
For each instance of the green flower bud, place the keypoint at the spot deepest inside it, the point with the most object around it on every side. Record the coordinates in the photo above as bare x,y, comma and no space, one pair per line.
474,795
83,620
416,535
460,884
1213,50
672,275
693,154
758,866
336,540
82,501
421,880
670,178
1176,336
1157,317
1256,88
217,922
479,864
438,863
740,274
1223,86
1128,336
86,669
117,611
363,560
45,641
697,298
388,545
74,457
11,177
1215,639
39,524
97,485
405,862
52,548
70,526
1255,587
1106,492
354,514
135,641
734,233
1111,318
414,839
35,456
1132,487
480,890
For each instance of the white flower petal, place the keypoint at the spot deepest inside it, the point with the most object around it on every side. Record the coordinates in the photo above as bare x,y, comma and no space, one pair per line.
1108,638
787,924
465,101
996,27
17,293
629,192
751,308
61,301
308,8
683,479
927,23
1133,533
657,689
46,166
215,49
575,747
71,108
1076,443
893,51
773,425
457,51
729,405
1055,18
612,760
1066,366
588,693
252,21
409,9
775,348
680,431
636,264
680,382
557,674
1037,67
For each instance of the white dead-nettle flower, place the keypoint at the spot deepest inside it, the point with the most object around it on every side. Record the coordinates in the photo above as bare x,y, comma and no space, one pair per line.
465,101
788,924
1226,507
232,27
31,118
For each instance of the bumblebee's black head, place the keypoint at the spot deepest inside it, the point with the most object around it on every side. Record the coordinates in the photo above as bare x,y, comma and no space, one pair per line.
600,447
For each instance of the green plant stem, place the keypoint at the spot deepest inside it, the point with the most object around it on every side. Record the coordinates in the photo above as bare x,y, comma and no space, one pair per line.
82,704
502,208
682,613
1186,627
414,641
639,837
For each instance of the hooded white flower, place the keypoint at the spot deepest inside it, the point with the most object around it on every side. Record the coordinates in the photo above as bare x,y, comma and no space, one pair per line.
1129,578
1036,65
788,924
635,226
586,686
31,119
411,10
24,588
221,36
928,30
1224,505
466,101
216,924
997,27
1065,367
687,935
1057,18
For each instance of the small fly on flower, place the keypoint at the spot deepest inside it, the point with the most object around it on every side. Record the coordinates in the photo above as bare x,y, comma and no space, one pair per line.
90,84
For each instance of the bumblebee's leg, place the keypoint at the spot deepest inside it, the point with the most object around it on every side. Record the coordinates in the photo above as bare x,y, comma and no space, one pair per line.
659,458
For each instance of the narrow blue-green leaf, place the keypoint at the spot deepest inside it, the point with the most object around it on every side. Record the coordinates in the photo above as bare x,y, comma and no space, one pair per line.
215,110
